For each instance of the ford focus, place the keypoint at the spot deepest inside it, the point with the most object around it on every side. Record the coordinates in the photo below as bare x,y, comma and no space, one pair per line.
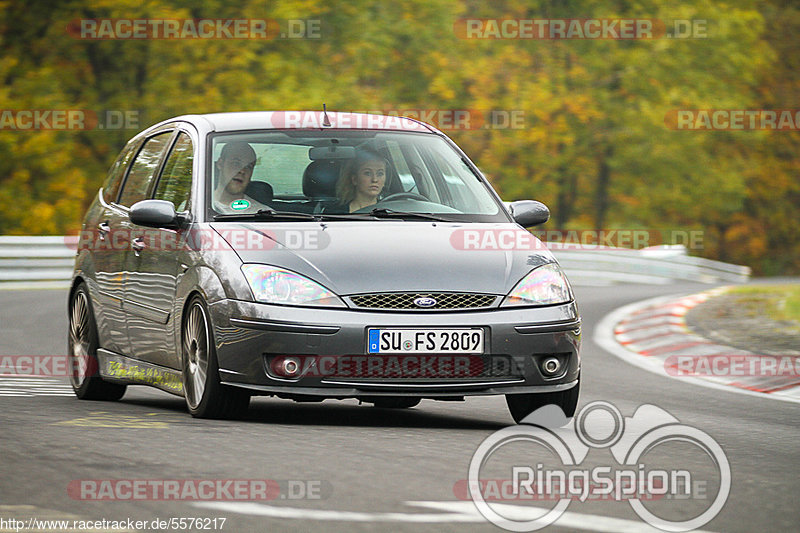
314,255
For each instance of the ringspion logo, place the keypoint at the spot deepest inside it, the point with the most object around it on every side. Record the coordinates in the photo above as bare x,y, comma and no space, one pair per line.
639,474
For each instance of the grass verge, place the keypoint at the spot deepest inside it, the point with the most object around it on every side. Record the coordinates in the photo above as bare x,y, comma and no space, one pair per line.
779,302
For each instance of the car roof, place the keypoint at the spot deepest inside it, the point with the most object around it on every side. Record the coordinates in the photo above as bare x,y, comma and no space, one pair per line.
265,120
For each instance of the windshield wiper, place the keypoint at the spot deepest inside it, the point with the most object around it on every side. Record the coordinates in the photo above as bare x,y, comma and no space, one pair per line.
378,212
267,214
344,216
382,212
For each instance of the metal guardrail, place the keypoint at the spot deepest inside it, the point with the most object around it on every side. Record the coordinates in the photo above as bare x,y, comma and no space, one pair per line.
44,262
598,265
35,261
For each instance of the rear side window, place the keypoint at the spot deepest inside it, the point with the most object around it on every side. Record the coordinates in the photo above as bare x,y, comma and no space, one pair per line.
175,184
280,165
143,168
114,178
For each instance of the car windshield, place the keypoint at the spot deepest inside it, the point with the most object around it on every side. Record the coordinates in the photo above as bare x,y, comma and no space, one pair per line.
344,174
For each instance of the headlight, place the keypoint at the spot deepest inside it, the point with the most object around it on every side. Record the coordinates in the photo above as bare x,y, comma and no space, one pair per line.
545,285
278,286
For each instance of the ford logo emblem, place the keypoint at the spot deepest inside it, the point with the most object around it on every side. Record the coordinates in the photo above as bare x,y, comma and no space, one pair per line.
424,302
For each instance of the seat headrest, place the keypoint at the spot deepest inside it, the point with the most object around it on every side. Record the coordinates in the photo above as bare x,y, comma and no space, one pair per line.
260,191
320,177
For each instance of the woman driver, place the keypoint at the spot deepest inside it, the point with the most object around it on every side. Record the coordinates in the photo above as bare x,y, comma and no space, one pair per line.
362,180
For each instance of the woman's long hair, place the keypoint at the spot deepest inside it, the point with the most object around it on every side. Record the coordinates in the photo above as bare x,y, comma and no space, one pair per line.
345,188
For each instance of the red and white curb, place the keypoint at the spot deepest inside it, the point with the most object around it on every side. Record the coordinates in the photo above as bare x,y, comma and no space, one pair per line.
653,335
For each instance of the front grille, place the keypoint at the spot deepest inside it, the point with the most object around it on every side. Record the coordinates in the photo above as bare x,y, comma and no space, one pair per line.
405,300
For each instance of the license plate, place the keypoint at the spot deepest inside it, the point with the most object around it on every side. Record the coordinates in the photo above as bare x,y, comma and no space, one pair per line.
447,341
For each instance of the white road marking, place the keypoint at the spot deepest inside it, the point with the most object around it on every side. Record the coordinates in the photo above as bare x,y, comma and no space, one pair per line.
604,337
30,387
570,519
260,509
450,511
31,285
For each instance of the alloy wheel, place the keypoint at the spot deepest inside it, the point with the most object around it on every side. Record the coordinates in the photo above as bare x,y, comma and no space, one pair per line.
195,355
79,340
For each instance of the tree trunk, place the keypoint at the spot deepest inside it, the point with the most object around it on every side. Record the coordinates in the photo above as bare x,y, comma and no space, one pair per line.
601,191
565,201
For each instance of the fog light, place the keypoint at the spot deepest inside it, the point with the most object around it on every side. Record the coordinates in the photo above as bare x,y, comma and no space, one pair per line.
291,366
551,366
287,367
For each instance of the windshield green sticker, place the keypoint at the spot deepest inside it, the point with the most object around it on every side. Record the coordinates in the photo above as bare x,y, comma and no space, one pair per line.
238,205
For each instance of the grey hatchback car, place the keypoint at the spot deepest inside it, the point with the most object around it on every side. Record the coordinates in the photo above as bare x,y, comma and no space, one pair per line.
314,255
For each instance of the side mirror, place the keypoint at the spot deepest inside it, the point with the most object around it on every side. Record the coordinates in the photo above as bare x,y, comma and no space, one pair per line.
154,214
529,213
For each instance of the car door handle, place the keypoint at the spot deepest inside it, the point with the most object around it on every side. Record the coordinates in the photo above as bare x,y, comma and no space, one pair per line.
138,245
102,230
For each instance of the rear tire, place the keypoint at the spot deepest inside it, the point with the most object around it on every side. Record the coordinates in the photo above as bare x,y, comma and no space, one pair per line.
82,344
205,396
521,405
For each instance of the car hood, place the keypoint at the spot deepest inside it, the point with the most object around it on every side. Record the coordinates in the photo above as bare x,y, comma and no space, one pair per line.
392,256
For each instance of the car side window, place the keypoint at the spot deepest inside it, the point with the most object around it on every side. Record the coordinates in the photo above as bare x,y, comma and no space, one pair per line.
143,168
175,184
116,173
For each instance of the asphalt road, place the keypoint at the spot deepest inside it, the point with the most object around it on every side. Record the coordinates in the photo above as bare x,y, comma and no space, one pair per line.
360,460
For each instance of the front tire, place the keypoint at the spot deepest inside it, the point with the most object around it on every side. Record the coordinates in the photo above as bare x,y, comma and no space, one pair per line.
82,344
521,405
205,396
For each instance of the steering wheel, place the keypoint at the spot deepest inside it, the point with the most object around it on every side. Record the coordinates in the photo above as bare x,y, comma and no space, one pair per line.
405,196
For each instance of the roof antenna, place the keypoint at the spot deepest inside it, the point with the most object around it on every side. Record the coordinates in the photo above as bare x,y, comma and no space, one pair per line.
325,121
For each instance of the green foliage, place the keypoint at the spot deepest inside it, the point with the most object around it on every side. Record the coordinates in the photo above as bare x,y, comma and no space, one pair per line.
779,302
594,144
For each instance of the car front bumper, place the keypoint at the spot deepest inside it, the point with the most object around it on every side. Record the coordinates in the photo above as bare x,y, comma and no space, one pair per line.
332,343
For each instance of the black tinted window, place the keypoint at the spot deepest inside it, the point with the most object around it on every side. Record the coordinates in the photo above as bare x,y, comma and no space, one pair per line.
175,184
114,178
143,168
